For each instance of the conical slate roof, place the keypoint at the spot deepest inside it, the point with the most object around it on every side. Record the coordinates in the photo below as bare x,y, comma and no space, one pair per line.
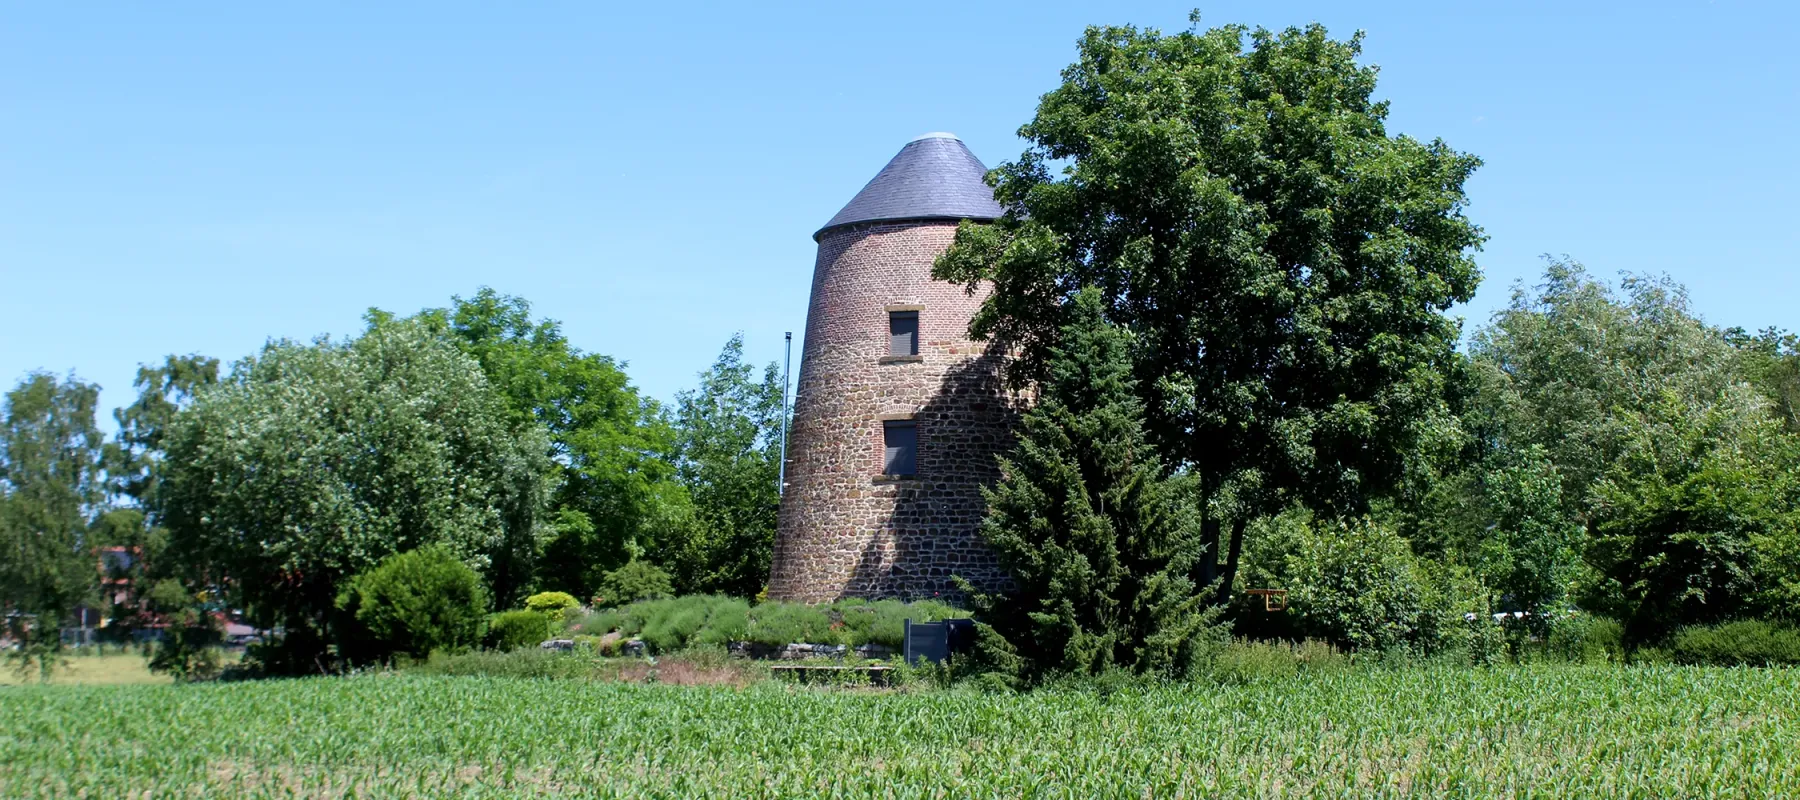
933,177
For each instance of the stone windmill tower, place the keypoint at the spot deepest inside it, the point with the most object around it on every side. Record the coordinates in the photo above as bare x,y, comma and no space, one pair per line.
899,414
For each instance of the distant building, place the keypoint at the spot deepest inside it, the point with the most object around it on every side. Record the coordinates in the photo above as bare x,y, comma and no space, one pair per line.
117,566
899,415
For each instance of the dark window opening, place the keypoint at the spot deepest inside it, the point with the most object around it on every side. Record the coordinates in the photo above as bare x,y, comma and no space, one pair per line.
903,333
901,438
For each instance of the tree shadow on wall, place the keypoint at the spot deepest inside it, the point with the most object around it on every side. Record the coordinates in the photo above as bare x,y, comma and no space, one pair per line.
932,535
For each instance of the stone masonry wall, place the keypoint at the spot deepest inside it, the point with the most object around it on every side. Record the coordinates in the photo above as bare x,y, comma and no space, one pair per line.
845,529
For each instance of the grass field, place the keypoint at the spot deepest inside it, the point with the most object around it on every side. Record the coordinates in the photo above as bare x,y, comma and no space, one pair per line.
112,669
1522,732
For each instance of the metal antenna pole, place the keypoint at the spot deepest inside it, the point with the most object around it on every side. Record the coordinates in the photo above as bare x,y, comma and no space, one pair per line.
786,367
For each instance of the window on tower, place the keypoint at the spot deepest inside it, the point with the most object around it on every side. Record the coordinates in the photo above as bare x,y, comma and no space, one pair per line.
903,333
901,440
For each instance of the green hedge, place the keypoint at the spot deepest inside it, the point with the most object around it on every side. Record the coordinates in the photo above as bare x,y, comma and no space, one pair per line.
671,624
1747,643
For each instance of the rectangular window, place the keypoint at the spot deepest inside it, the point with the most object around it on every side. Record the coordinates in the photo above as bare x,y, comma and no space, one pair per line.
903,333
901,436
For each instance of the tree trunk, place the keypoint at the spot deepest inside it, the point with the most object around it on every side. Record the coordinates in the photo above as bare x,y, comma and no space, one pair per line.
1231,560
1209,532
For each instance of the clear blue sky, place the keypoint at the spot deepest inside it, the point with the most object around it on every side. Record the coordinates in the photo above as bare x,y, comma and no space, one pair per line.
178,178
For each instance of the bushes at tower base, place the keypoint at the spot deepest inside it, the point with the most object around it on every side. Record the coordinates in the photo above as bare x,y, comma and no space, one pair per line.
413,603
511,630
671,624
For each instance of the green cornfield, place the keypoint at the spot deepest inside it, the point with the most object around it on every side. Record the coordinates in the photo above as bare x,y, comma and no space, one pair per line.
1535,731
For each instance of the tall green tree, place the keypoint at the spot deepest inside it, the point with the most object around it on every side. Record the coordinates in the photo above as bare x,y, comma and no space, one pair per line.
1566,364
51,487
1770,361
136,452
1675,468
311,463
728,440
1281,260
1100,543
133,462
613,450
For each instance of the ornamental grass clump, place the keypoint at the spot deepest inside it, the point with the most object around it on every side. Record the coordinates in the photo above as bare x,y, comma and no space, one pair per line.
883,622
778,624
670,624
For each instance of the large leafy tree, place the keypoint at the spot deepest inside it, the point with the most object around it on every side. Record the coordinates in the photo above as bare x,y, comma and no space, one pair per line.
51,486
615,490
1528,548
1281,260
1770,360
728,437
1100,544
311,463
1568,362
1678,471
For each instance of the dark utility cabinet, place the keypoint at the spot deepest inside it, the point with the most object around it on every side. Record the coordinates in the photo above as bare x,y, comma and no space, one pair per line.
936,641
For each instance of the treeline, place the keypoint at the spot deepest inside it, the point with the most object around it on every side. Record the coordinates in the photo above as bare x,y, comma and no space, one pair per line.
1231,288
474,430
1614,475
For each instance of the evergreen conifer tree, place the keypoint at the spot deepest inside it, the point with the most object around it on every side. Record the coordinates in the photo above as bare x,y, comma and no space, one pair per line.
1102,545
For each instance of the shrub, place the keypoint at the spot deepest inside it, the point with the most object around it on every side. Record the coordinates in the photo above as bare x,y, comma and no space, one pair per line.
416,602
511,630
189,650
670,624
1356,583
727,621
552,604
670,631
1744,643
637,580
1585,639
785,623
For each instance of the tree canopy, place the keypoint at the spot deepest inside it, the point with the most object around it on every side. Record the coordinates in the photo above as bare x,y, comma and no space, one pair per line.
1282,262
1677,472
312,462
51,485
728,445
614,491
